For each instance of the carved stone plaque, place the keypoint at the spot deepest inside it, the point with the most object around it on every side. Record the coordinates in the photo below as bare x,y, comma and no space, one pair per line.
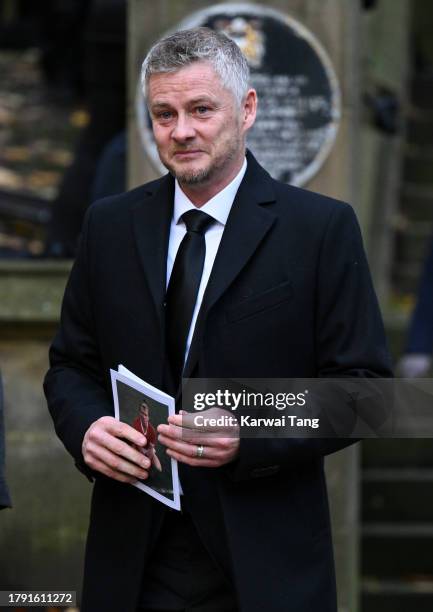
299,96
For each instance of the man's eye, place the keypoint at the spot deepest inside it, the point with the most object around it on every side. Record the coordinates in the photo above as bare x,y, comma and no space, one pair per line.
202,110
164,115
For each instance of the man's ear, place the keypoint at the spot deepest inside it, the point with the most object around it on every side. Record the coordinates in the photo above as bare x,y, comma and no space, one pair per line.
249,109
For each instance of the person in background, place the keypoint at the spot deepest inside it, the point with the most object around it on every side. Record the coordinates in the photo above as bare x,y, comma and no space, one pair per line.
416,361
104,84
5,500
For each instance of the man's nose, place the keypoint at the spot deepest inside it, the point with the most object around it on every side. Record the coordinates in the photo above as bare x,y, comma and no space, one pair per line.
184,128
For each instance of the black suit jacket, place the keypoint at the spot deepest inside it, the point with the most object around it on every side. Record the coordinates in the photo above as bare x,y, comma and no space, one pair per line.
289,296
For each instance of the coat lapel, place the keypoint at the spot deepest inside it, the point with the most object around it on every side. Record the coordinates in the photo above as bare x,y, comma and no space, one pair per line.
151,223
247,225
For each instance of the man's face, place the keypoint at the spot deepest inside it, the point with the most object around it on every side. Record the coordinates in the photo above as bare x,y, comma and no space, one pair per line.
198,127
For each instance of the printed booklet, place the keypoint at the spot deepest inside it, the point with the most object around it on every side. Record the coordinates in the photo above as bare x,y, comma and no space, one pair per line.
144,407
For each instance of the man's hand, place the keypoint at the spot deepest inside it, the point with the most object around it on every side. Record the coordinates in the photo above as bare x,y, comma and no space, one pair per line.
184,439
106,450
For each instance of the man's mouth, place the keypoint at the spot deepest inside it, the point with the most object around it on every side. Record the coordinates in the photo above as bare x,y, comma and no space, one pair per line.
188,153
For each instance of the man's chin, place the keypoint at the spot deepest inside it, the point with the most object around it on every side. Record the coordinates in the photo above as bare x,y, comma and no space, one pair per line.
190,176
195,178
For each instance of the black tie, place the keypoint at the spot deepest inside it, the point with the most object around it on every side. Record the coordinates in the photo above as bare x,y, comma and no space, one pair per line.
183,287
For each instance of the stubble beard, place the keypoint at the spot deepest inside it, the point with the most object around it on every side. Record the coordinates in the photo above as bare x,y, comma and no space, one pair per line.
202,176
192,177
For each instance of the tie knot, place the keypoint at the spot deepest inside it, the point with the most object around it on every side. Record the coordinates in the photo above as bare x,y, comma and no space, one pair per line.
197,221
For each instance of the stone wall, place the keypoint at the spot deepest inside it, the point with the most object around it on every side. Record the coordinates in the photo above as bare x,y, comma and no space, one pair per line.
42,537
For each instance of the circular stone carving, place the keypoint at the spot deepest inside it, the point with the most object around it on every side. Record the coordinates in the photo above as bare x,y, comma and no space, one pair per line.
299,97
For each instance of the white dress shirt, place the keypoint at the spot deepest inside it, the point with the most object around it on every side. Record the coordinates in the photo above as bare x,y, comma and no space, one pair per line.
217,207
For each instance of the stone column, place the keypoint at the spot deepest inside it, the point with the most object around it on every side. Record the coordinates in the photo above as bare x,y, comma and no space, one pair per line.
336,25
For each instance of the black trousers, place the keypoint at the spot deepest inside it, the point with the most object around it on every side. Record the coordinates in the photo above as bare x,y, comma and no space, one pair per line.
181,576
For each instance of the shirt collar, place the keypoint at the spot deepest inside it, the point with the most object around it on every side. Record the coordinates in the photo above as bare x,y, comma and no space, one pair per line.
217,207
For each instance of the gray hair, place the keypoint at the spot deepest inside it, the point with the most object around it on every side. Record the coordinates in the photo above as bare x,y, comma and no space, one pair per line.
185,47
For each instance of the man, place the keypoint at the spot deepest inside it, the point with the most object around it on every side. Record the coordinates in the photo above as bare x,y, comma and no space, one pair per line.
280,288
142,424
5,500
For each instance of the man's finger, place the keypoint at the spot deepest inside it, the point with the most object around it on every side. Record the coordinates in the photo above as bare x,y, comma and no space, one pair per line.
215,423
196,436
193,436
179,446
216,452
171,431
123,430
185,420
102,468
193,461
117,464
122,449
128,455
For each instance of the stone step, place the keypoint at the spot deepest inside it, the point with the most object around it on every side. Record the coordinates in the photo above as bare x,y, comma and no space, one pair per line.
418,169
418,151
397,550
397,495
411,190
406,282
23,207
417,207
412,244
421,91
397,453
396,596
419,229
31,291
419,130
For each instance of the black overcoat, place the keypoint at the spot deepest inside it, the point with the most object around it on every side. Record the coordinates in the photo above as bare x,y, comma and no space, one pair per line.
290,295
